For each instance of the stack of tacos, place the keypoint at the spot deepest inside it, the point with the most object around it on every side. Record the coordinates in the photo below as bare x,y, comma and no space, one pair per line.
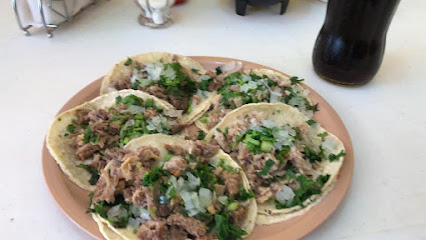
244,150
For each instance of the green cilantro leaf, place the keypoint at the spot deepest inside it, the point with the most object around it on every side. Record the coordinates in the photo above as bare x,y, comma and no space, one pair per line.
323,134
266,168
93,171
128,62
71,128
332,157
218,70
295,80
201,135
311,122
225,230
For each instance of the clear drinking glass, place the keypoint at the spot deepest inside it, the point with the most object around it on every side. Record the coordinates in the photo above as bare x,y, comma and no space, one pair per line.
155,13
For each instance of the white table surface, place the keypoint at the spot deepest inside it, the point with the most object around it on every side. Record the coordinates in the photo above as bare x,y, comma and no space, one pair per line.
385,118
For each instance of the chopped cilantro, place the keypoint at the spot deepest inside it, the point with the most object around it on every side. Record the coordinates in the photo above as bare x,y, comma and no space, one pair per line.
129,100
295,80
285,149
322,179
332,157
308,187
226,167
149,103
88,135
194,70
312,107
128,62
225,230
323,134
266,168
93,172
205,84
298,136
312,155
311,122
151,177
225,133
203,120
244,195
181,85
71,128
205,173
172,193
201,135
218,70
100,209
167,157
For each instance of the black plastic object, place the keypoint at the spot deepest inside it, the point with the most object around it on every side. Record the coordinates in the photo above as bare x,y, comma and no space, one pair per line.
241,5
351,44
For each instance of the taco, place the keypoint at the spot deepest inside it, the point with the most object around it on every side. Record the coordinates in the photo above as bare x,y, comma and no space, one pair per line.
164,187
254,86
83,139
290,161
177,79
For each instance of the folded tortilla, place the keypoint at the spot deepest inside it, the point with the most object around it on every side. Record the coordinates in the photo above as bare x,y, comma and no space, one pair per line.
298,96
61,147
158,141
283,114
123,70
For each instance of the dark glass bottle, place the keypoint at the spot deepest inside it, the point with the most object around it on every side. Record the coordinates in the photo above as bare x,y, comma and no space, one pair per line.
350,46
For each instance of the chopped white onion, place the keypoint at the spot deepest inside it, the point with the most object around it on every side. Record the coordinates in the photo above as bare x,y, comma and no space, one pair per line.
205,197
156,120
154,70
144,214
231,67
134,210
150,126
223,200
286,194
193,181
202,77
330,145
290,130
246,78
269,123
275,97
169,72
116,211
135,76
133,223
202,94
136,222
134,109
155,123
284,137
186,197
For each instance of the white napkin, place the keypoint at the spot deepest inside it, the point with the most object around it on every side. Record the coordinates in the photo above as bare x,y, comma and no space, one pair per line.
29,12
